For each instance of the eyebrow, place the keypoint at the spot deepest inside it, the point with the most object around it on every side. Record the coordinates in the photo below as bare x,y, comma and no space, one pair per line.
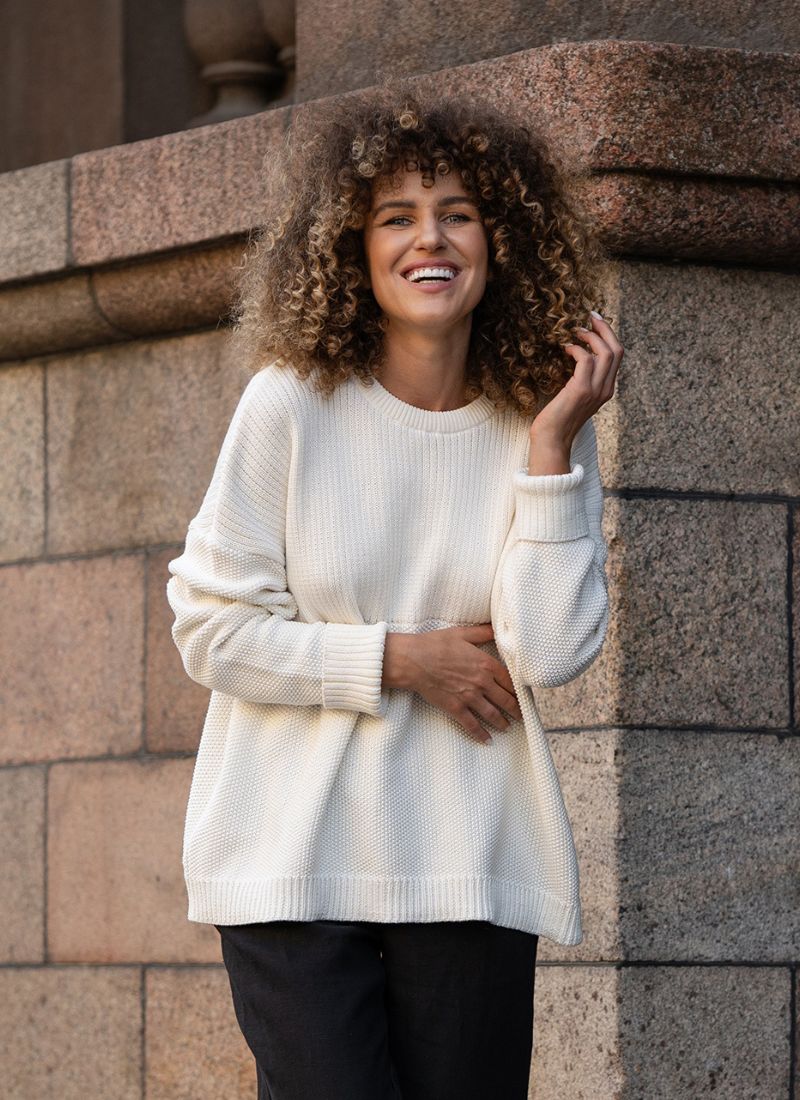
408,204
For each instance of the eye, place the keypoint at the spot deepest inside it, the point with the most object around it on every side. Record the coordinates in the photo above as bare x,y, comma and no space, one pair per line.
402,217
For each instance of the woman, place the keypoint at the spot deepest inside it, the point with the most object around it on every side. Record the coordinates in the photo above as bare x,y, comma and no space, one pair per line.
401,539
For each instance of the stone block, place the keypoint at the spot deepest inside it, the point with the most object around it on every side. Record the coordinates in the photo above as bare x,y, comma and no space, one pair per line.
688,218
686,845
707,854
184,290
181,189
664,1033
22,470
345,46
22,865
51,315
699,627
795,593
115,882
588,771
72,647
176,705
133,435
194,1048
71,1032
576,1034
33,222
707,395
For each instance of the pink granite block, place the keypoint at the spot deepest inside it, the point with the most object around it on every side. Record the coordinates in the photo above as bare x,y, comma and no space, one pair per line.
176,705
71,645
50,316
180,189
71,1032
33,220
115,882
22,470
22,825
133,435
194,1047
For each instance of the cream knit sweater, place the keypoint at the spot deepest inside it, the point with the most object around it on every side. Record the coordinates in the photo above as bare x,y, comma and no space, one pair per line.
317,793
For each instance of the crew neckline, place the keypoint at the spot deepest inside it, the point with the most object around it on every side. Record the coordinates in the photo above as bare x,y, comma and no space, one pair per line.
428,420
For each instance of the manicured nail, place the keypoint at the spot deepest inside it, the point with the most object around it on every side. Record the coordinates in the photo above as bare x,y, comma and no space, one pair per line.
594,313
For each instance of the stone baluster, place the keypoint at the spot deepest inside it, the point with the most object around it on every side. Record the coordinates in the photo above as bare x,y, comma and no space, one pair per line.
279,22
245,56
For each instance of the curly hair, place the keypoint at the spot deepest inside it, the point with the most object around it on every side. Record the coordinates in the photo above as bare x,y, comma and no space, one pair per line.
304,296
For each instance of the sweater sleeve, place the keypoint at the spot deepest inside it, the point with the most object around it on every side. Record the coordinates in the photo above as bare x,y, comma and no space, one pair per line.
235,619
550,597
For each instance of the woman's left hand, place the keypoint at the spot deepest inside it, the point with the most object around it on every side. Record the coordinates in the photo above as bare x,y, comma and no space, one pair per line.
591,385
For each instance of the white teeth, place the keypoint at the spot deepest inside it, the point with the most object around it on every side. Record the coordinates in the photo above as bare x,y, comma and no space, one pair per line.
429,273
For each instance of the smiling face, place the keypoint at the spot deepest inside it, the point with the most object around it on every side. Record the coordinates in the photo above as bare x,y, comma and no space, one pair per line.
435,229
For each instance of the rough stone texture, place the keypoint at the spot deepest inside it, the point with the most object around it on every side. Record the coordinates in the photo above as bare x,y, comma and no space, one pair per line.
698,634
587,765
706,389
576,1034
689,219
635,105
709,828
650,106
134,432
686,845
172,191
71,1033
664,1033
182,291
115,888
795,597
175,705
71,651
33,220
194,1048
348,49
40,317
22,865
22,469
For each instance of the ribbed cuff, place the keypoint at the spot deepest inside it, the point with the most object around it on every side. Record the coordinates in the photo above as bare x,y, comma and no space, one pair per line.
550,507
352,667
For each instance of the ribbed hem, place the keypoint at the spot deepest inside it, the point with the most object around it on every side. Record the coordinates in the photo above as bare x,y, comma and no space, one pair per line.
550,507
389,901
352,667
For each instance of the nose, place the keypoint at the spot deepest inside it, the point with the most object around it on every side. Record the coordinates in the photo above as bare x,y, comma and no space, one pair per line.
430,234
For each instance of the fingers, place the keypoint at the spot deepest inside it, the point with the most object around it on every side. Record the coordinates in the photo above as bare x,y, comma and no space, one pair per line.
607,352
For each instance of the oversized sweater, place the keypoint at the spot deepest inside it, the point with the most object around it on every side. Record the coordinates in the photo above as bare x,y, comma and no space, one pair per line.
317,792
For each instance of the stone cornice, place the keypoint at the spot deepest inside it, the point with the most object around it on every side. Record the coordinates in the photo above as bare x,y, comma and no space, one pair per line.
678,152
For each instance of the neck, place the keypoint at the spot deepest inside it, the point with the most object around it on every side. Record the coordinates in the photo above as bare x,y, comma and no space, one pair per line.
426,369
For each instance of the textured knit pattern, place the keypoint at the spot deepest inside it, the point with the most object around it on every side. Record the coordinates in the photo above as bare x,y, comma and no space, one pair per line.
317,793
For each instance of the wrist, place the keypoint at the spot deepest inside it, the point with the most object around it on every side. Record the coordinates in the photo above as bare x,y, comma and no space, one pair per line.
395,660
548,457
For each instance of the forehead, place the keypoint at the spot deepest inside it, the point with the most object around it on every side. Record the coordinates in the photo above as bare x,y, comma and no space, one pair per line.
407,184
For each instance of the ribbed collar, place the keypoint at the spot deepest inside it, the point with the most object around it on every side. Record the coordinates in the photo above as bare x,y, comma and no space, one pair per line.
426,420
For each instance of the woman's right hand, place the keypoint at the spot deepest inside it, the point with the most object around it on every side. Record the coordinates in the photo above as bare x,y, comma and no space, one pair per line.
447,668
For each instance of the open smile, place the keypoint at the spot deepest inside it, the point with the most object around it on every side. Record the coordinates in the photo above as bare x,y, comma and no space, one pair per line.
434,283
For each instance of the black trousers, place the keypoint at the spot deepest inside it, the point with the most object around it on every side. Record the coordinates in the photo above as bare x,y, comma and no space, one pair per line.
341,1010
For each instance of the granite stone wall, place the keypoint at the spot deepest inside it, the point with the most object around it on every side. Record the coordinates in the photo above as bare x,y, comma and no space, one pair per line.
677,750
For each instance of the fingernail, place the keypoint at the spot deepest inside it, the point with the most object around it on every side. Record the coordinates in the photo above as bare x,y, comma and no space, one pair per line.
594,313
489,739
